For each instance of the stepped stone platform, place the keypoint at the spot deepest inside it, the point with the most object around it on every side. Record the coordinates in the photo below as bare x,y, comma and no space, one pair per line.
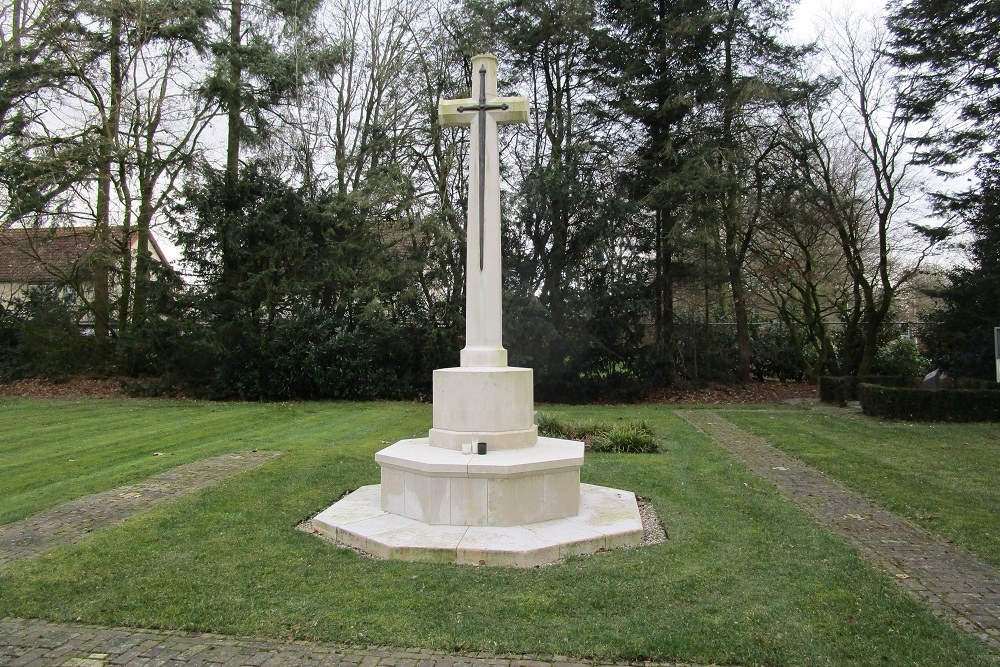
607,519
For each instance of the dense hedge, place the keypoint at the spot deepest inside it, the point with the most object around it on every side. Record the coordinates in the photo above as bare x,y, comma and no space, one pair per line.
840,389
836,389
957,405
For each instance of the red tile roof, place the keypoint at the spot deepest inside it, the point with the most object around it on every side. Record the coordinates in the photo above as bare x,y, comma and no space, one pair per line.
48,254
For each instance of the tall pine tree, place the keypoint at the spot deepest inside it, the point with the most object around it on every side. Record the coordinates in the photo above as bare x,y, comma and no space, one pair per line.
653,59
951,49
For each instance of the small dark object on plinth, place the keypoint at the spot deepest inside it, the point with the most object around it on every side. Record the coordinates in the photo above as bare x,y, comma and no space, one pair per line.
480,448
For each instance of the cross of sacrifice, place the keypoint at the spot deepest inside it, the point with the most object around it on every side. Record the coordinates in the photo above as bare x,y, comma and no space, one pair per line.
482,112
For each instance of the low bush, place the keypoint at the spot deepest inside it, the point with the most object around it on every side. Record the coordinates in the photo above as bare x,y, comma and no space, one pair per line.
626,438
901,357
955,405
553,427
776,353
623,437
41,336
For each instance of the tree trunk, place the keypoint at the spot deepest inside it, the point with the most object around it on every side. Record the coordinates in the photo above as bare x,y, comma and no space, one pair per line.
234,108
15,31
658,281
102,241
869,349
142,254
738,287
731,210
664,282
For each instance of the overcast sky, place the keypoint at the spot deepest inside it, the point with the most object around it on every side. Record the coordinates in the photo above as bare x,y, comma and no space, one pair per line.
809,15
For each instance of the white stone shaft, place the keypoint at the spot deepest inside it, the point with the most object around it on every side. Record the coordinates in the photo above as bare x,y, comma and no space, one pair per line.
483,290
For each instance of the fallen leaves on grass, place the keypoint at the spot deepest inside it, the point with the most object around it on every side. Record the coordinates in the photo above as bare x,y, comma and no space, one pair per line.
69,388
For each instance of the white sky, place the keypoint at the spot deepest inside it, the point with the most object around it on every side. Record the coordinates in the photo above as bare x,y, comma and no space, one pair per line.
809,15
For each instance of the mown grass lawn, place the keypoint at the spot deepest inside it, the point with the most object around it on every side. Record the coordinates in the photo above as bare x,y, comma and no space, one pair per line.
941,476
746,577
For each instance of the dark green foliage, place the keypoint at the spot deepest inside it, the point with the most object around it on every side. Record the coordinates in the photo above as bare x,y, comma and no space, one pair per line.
11,338
653,63
959,336
836,389
308,354
776,354
956,405
313,356
900,357
704,353
312,305
594,353
951,51
40,336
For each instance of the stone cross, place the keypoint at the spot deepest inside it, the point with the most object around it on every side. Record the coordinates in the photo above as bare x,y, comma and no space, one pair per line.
482,112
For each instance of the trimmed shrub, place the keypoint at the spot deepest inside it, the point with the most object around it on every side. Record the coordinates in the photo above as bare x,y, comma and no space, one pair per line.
40,336
956,405
840,389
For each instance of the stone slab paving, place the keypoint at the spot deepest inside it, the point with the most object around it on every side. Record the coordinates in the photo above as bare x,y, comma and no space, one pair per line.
956,584
34,643
72,521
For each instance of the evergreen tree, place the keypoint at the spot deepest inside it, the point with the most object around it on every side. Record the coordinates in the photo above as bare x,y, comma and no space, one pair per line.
699,80
960,334
251,79
37,168
652,58
952,52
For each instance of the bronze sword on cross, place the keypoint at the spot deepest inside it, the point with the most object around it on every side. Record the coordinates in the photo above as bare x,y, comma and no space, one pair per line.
481,109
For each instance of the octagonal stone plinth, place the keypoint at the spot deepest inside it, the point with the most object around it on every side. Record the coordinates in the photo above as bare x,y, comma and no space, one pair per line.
509,487
608,518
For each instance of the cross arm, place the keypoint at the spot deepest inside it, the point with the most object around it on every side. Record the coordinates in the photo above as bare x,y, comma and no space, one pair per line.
448,113
516,112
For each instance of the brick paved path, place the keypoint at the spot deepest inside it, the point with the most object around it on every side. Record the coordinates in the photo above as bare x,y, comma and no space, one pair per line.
39,643
956,584
72,521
